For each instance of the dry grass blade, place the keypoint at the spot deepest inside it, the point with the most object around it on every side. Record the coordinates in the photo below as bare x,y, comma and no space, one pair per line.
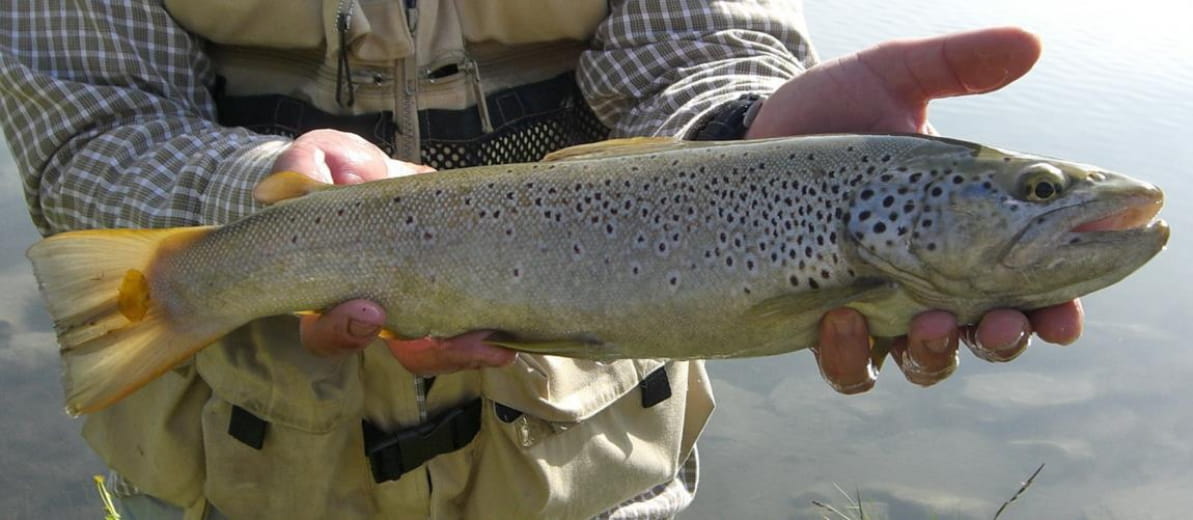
853,505
831,509
1026,484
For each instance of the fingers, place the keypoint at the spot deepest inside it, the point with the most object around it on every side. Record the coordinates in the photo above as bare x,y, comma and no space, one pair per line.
434,356
929,353
351,326
843,352
1001,336
1061,324
338,157
343,329
954,64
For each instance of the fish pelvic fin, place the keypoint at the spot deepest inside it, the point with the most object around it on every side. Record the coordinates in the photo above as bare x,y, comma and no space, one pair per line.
114,333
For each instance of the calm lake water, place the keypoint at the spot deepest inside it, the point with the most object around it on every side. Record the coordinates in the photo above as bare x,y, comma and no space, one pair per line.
1107,415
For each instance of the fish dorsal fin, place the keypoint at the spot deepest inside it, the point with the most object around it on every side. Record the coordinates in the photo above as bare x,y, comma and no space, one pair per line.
285,185
615,147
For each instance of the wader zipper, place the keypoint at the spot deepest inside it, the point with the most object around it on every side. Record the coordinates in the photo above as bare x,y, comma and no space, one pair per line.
406,138
345,95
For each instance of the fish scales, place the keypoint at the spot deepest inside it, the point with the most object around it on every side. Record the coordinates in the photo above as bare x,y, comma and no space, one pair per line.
646,249
594,250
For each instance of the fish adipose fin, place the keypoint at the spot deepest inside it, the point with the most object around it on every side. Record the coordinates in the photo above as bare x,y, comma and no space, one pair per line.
114,335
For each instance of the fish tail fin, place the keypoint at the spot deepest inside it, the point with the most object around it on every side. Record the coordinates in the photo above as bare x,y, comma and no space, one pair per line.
115,336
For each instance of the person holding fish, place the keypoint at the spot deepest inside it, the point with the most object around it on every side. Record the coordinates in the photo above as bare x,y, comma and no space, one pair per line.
133,114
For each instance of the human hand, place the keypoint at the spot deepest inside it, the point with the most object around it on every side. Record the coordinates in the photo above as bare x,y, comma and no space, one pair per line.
342,158
887,89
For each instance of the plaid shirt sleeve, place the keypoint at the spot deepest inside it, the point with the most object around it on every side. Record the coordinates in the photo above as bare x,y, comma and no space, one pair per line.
106,107
662,68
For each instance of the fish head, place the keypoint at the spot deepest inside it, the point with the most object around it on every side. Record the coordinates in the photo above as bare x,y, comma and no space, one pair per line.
973,227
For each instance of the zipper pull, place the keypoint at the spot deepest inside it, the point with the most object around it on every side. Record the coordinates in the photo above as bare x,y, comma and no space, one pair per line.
412,17
473,74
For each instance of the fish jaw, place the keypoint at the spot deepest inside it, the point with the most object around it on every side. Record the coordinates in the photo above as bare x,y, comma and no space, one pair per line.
1089,244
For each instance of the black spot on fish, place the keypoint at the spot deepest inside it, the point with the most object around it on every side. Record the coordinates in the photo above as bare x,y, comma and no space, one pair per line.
812,283
888,201
879,227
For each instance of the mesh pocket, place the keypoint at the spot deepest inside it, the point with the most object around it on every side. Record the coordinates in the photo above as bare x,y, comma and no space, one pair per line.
525,140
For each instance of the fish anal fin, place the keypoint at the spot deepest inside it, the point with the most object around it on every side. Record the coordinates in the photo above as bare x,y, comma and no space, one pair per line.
285,185
615,147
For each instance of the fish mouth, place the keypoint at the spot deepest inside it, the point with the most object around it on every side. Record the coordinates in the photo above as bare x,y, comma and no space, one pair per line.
1140,213
1125,220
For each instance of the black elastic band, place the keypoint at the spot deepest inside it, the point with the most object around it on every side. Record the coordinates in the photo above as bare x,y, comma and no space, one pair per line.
656,388
393,454
247,428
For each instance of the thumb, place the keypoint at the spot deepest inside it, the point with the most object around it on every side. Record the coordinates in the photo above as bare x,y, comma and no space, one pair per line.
973,62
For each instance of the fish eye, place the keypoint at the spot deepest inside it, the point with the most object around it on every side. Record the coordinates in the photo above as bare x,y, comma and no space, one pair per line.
1041,182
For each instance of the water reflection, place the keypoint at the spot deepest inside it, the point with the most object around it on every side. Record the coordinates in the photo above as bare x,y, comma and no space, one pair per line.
1107,415
47,467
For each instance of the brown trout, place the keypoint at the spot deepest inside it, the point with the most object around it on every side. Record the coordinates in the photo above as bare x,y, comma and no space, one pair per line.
630,249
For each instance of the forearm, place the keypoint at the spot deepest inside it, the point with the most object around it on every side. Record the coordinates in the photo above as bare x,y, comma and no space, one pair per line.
106,107
660,70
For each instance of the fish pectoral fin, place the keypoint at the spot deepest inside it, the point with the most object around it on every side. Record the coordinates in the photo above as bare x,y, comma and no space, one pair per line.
784,309
616,147
285,185
879,349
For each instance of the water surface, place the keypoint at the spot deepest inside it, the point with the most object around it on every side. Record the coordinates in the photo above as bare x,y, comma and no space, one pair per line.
1107,415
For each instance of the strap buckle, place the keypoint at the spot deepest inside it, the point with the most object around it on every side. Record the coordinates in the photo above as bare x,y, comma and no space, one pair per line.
392,455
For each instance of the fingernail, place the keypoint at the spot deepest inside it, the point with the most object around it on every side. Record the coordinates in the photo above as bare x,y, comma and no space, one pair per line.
846,326
361,329
1000,353
940,345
